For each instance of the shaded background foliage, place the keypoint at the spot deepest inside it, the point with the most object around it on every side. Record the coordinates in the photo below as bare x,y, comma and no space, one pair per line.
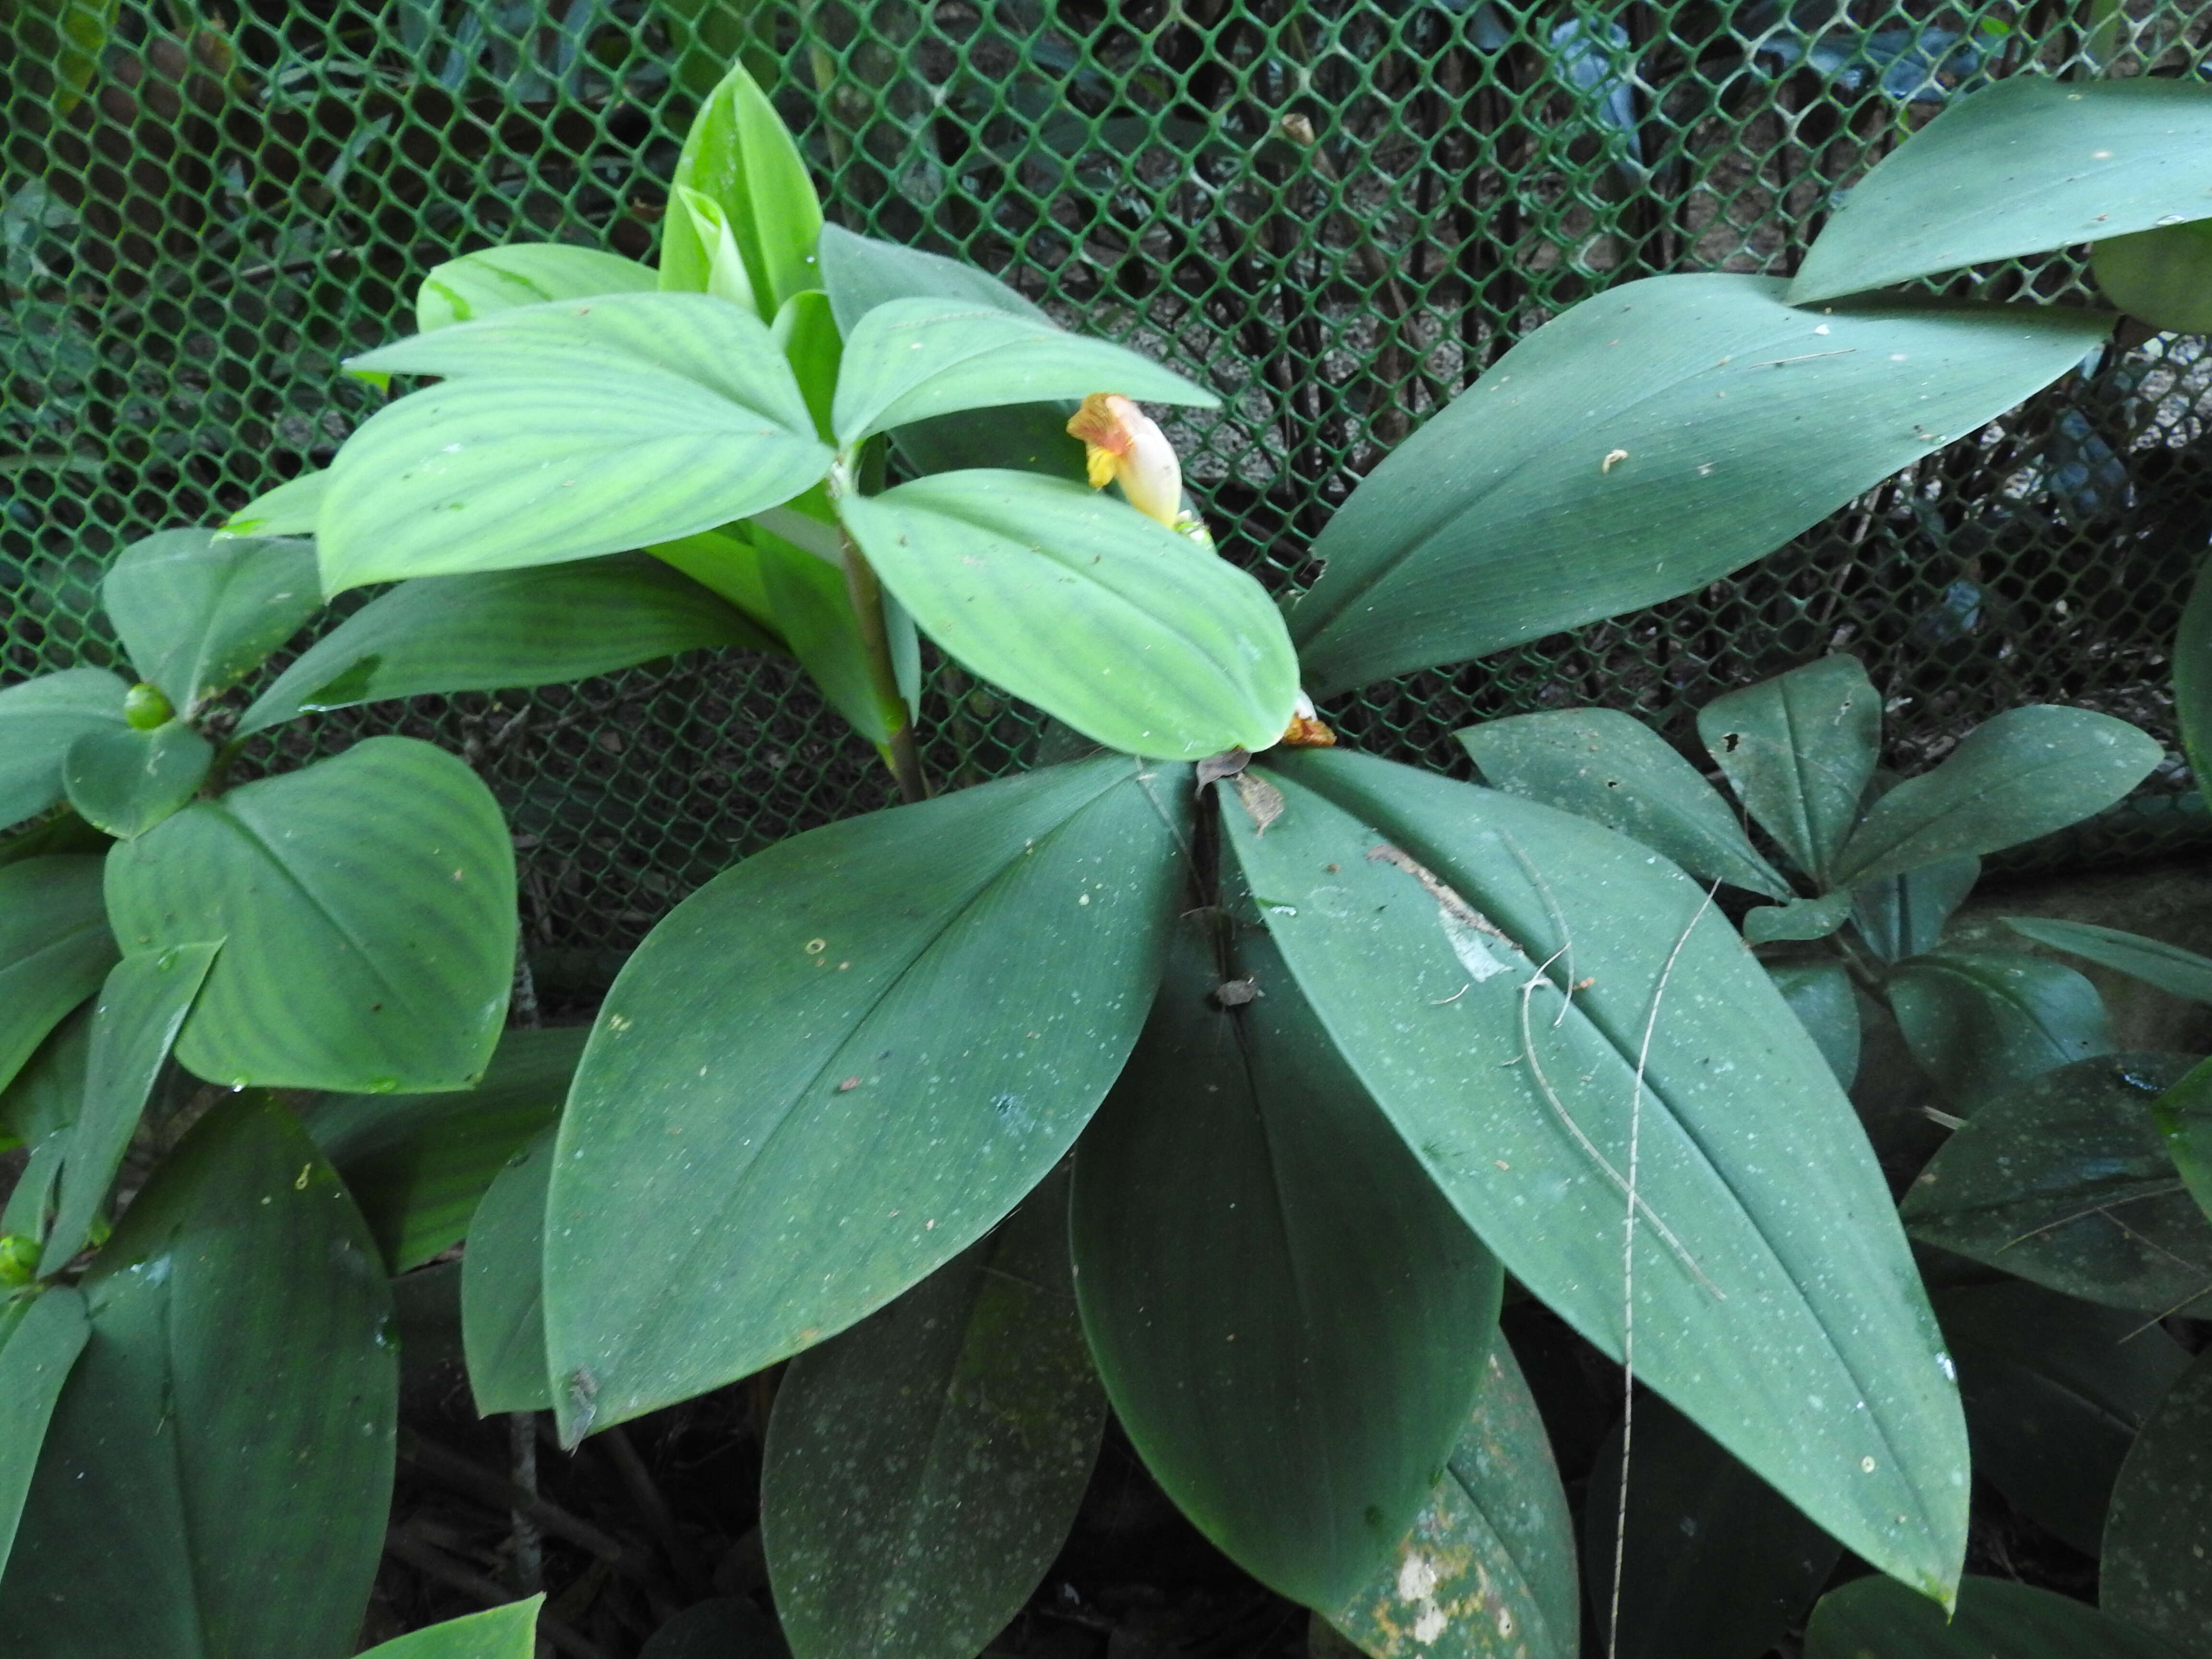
1337,213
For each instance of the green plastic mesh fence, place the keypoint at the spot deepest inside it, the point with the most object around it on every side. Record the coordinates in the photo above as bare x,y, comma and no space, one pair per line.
1337,211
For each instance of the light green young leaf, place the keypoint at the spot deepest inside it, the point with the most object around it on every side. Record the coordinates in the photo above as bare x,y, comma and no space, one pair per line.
1994,1616
508,1632
1717,1564
217,1476
1129,633
368,903
2023,774
124,782
807,329
1776,1305
417,1165
291,509
505,628
1488,1569
1801,750
1612,769
859,274
1982,1021
495,279
2025,166
2156,1572
40,1338
2066,1182
1295,1398
55,949
571,430
141,1007
1904,915
504,1287
739,155
1652,439
2177,972
198,611
909,360
838,1065
39,721
2055,1388
923,1469
700,255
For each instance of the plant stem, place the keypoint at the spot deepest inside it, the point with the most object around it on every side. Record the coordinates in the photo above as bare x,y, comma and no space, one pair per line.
867,595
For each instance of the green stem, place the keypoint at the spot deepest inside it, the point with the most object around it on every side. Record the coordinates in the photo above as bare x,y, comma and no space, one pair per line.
867,595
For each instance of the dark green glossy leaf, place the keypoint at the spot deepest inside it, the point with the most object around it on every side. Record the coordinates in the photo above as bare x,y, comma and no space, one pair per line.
2024,166
923,1469
1779,1307
2055,1388
508,1632
505,628
39,721
198,611
2183,1117
217,1476
503,1287
1996,1618
40,1107
40,1338
1297,1396
1488,1570
2192,682
55,949
1981,1021
2180,973
739,156
722,1629
1614,770
141,1006
2066,1182
911,359
2020,774
291,509
495,279
1904,915
124,782
1799,920
1801,750
2162,276
573,429
1717,1564
1125,631
1819,994
2157,1567
837,1066
417,1165
367,904
1652,439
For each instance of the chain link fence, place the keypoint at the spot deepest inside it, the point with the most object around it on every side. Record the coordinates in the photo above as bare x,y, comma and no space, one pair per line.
1338,212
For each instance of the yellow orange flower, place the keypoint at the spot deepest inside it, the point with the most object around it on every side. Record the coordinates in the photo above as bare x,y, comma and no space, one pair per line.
1122,444
1306,730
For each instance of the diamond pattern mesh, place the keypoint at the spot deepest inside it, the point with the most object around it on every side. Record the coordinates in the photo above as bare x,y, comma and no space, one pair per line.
1336,211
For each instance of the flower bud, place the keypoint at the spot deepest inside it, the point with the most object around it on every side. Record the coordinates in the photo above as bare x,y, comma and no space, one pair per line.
1122,444
1306,730
144,708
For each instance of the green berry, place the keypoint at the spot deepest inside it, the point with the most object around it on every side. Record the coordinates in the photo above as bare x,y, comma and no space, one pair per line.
145,708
